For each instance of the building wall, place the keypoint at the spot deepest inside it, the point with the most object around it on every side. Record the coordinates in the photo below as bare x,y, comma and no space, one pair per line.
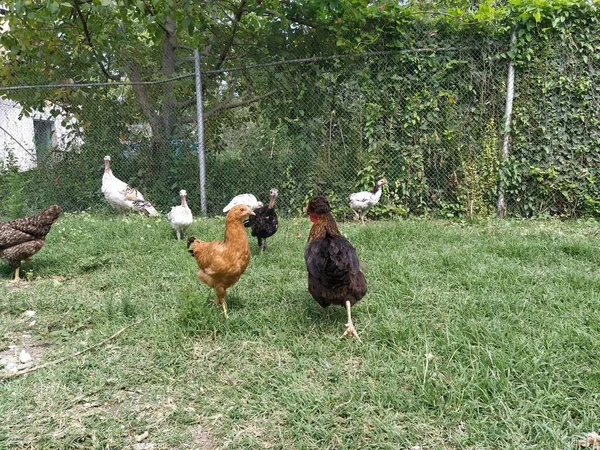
17,135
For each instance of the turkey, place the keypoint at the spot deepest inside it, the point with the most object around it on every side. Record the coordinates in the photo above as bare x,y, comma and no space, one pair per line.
123,197
22,238
180,216
363,201
244,199
264,223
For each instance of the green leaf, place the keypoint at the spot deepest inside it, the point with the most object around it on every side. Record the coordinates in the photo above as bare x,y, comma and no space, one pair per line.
53,7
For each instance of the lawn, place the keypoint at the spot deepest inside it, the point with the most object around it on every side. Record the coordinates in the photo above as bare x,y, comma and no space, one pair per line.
474,336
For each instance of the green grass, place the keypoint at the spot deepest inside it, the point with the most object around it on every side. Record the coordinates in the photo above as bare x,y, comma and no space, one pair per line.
507,312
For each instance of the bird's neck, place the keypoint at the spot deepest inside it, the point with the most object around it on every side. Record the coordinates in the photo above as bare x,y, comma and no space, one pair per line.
183,201
322,224
376,189
235,231
377,194
271,202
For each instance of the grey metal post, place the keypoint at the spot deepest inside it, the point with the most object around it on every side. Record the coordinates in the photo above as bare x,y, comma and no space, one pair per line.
200,119
510,93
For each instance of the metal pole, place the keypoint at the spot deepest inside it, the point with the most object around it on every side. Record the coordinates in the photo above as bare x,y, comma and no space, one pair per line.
200,119
510,93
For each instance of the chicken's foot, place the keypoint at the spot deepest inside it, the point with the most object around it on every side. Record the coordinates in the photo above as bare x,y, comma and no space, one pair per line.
350,330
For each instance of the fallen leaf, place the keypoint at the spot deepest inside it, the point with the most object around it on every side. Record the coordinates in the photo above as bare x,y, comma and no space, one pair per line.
24,356
148,446
141,437
591,440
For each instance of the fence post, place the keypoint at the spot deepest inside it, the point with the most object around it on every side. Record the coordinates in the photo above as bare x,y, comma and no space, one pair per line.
200,120
510,93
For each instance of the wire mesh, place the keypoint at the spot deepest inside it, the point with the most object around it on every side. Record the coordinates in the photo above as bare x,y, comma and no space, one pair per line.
332,126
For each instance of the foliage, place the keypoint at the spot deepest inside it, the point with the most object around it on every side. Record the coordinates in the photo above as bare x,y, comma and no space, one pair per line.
428,121
480,176
11,187
556,128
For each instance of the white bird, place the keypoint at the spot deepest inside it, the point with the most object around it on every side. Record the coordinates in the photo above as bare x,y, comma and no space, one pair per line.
121,196
180,216
244,199
363,201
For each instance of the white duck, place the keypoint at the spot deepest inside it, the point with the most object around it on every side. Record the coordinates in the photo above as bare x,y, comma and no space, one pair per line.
121,196
180,216
363,201
244,199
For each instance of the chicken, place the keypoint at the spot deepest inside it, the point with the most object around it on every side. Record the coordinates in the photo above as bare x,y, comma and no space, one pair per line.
363,201
181,216
334,275
244,199
221,263
22,238
123,197
264,223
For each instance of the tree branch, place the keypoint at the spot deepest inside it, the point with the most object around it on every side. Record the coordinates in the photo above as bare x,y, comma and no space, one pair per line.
227,48
88,38
142,97
186,104
232,105
65,358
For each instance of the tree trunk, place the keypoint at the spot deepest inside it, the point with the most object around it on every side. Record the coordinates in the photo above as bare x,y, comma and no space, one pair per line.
161,123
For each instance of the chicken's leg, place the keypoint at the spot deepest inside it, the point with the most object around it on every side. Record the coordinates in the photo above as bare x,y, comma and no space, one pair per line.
261,244
350,330
221,301
178,234
16,279
356,215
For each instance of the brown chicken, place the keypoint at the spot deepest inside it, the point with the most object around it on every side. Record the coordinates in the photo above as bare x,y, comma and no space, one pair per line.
221,263
334,275
22,238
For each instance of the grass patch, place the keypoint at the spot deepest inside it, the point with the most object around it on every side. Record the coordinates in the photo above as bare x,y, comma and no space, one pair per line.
479,336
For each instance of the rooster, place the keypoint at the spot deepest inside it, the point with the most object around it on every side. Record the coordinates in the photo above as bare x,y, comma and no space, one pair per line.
334,275
363,201
22,238
180,216
121,196
249,200
264,223
221,263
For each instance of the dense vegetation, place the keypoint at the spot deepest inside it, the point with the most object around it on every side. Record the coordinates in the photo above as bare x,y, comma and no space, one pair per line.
430,121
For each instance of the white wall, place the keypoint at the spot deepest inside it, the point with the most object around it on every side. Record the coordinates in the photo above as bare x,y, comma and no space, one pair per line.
16,133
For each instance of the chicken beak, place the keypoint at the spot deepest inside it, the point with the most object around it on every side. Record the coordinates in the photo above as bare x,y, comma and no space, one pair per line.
252,213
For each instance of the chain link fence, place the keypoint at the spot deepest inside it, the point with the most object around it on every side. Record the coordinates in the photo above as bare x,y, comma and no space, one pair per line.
429,120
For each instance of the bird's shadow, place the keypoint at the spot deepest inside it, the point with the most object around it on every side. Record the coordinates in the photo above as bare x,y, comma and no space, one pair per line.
310,313
44,267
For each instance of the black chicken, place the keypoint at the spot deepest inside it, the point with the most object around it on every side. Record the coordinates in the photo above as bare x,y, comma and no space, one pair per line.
264,223
334,275
22,238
